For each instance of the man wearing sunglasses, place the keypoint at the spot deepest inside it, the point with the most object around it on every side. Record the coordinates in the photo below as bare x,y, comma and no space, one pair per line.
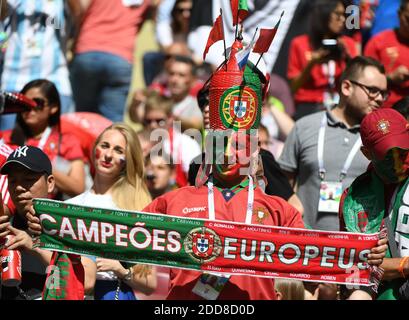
321,155
391,48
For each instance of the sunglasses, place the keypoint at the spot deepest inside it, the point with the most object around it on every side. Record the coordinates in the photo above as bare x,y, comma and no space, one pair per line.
40,104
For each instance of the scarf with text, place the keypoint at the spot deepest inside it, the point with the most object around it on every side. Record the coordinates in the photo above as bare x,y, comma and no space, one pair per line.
364,210
203,245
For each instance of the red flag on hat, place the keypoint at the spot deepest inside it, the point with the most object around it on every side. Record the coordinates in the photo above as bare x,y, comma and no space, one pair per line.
215,35
239,9
266,37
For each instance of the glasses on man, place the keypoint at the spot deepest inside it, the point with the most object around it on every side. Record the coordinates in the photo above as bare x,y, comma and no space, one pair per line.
372,92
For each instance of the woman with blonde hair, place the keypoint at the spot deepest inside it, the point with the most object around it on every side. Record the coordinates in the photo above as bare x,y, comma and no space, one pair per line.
119,184
289,289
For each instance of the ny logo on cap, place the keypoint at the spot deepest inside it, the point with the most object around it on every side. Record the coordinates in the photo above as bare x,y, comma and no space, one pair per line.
20,152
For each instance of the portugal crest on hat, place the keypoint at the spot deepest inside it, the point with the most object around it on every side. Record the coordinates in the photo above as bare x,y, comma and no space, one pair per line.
383,125
203,244
238,108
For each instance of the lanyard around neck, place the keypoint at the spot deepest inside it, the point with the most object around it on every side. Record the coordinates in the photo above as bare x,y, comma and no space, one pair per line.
250,200
44,138
330,69
348,161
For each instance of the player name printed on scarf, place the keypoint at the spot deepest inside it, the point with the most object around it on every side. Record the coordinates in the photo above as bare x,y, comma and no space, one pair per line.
198,244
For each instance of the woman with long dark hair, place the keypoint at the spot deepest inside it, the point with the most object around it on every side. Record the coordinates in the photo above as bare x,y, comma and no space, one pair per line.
316,59
40,127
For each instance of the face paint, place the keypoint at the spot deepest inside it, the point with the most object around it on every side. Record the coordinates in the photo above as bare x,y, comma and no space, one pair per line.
122,160
233,158
97,153
394,167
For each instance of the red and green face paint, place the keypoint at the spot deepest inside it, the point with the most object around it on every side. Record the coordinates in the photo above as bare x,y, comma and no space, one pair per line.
394,167
233,156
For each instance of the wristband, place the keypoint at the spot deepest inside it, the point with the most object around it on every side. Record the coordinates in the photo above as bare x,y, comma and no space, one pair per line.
402,266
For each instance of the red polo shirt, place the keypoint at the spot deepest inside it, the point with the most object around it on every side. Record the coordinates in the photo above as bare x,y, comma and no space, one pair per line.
300,54
392,52
192,202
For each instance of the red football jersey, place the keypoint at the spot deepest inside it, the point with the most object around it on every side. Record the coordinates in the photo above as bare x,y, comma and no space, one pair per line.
387,49
192,202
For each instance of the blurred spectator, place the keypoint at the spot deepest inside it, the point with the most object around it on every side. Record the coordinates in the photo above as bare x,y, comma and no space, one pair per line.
180,81
364,15
36,39
402,106
268,143
278,123
321,154
391,48
160,81
160,175
102,67
172,25
181,148
280,93
316,59
40,127
321,291
146,144
261,14
289,289
385,16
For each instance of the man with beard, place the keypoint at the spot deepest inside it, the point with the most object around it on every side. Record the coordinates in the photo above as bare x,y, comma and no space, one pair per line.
321,155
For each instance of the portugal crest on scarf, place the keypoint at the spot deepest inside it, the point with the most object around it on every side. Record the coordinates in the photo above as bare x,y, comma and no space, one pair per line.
203,244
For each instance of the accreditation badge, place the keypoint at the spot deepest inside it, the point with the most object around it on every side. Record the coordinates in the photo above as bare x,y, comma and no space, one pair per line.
210,285
330,196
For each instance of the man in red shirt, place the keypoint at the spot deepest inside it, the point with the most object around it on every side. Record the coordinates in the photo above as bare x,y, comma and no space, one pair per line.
391,48
229,193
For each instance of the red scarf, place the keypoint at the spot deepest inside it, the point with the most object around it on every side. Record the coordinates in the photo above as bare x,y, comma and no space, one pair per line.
65,278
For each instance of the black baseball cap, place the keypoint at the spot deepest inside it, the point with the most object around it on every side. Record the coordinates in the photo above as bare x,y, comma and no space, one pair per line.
33,158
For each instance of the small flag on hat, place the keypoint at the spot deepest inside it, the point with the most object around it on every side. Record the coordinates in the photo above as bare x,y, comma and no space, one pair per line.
215,35
266,38
239,9
243,55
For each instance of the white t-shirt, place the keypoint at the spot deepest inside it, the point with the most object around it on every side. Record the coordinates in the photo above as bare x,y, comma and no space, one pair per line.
104,201
184,151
